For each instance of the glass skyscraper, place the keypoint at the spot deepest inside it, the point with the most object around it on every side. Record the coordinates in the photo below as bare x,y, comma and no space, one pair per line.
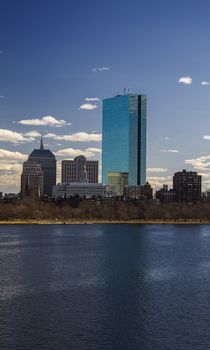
124,137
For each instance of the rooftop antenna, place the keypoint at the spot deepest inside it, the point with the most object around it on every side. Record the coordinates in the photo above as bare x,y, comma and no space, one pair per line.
41,144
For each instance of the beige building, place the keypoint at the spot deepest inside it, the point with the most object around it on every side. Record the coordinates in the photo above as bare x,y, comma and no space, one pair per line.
72,170
32,180
117,181
81,189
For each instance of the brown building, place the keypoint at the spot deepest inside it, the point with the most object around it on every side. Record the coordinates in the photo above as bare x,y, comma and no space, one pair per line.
73,170
32,180
144,192
164,195
187,187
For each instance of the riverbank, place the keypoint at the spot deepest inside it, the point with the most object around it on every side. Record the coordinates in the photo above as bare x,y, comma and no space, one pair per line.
92,212
93,222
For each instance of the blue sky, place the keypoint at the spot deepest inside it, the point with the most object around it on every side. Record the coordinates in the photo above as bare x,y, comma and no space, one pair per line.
55,54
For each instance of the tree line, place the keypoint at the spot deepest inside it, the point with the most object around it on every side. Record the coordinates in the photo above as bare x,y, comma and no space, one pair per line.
96,210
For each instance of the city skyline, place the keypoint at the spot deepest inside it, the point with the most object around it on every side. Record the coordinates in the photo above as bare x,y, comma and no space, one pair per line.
58,63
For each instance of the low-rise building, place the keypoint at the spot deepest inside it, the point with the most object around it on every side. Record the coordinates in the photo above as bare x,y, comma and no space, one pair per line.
11,196
117,181
164,195
144,192
81,189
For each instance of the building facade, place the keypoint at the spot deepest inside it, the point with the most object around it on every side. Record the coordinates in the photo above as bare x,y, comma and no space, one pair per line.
117,181
47,160
165,196
32,180
144,192
81,189
187,187
73,170
124,137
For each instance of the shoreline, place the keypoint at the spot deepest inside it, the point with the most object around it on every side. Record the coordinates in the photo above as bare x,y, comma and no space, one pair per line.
95,222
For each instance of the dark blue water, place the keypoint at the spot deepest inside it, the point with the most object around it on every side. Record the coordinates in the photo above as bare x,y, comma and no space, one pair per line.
105,287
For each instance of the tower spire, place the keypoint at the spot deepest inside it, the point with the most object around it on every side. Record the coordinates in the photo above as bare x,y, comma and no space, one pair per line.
41,144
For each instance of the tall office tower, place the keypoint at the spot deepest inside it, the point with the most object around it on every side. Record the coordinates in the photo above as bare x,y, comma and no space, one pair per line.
32,180
124,137
187,186
47,160
73,170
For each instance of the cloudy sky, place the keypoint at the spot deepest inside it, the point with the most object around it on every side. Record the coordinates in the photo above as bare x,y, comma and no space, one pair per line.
59,59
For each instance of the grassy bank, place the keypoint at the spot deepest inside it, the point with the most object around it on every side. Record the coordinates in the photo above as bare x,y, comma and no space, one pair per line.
91,222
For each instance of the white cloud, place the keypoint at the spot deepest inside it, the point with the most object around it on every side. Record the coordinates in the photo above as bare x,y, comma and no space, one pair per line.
205,83
72,152
201,163
100,69
10,169
12,156
77,137
1,96
206,137
158,181
92,99
33,134
164,138
185,80
157,170
88,106
47,120
169,151
202,166
103,68
15,137
10,180
94,150
50,135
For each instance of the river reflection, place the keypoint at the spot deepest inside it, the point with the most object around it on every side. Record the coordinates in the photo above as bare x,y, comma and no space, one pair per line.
104,287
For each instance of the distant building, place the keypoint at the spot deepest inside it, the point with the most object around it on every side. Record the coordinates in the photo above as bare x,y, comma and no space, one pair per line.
47,160
124,137
72,170
81,189
187,187
32,180
164,195
144,192
206,196
117,182
165,187
1,195
11,196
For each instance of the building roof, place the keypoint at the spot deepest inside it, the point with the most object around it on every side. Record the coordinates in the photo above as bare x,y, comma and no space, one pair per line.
41,152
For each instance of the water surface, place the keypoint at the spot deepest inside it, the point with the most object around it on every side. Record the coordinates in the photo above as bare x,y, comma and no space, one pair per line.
100,287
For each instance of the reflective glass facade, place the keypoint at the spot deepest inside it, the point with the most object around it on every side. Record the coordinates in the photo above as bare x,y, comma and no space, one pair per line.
124,137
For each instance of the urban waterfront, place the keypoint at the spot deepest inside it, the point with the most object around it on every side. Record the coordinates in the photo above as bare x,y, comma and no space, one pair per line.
104,287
